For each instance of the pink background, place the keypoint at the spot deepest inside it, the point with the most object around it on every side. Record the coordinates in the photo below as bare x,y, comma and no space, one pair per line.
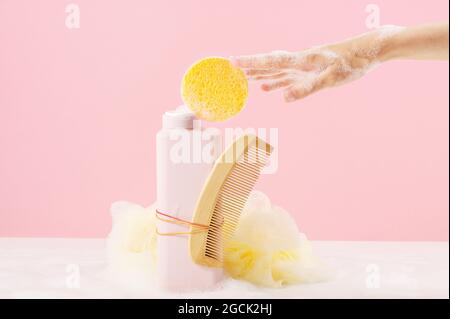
79,110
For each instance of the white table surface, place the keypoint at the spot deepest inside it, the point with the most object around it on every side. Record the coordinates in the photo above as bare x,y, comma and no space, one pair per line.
44,268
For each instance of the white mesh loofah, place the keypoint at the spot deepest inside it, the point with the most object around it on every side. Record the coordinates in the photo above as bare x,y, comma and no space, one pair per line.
267,248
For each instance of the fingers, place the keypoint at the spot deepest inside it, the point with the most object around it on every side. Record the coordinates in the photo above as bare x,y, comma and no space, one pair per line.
255,72
270,77
277,60
311,61
307,87
295,93
300,74
270,86
299,91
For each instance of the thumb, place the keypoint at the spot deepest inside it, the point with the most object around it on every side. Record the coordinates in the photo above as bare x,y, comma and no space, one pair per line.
307,86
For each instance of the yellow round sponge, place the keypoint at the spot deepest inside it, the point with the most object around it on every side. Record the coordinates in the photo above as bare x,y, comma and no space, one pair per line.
214,89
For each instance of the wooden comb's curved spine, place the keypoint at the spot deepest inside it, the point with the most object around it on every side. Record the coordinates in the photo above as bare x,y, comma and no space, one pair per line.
206,247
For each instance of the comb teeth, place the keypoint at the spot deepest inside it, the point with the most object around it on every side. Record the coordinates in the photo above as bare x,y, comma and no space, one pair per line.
232,198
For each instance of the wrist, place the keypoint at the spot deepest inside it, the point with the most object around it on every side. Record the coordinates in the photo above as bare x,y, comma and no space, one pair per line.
377,46
388,38
361,51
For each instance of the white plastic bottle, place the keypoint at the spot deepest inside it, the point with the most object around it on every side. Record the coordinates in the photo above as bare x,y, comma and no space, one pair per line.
185,155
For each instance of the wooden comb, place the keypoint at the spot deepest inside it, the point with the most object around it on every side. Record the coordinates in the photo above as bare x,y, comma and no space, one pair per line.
223,197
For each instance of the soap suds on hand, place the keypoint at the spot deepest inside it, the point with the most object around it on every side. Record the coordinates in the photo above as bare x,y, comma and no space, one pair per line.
267,249
302,73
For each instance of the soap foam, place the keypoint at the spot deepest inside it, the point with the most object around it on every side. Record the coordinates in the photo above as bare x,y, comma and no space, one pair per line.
131,245
306,67
267,249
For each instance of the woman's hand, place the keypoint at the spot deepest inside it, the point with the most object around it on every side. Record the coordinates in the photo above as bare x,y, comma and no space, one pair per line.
300,74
